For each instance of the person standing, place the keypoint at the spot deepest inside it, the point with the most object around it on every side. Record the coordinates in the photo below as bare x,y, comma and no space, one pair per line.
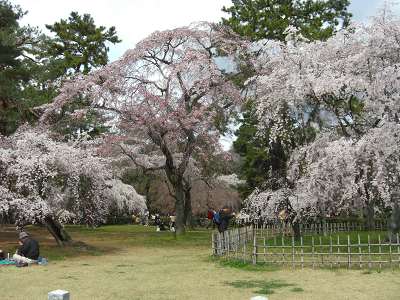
172,223
28,250
225,214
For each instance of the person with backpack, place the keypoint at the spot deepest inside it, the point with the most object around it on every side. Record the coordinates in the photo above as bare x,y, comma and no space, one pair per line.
225,214
221,218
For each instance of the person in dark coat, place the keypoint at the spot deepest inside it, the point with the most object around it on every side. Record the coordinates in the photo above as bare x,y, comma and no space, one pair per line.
225,214
28,250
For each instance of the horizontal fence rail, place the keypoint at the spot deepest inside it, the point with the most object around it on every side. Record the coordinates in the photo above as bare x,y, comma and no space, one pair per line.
317,228
253,244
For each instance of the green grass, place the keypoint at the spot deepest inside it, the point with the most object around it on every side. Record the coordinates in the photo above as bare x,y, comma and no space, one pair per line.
133,235
136,262
110,239
57,253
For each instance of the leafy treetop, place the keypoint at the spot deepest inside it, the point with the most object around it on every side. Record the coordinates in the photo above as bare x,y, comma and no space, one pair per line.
268,19
80,44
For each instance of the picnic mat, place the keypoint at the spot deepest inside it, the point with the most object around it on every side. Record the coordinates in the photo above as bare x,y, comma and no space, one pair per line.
6,262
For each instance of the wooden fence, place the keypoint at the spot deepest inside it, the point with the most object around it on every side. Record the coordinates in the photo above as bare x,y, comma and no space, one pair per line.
248,244
233,240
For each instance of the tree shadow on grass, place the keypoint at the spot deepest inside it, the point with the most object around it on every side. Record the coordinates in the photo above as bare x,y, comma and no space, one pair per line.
263,287
245,266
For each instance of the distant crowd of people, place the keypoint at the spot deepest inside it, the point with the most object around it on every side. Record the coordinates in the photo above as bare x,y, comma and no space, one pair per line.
219,219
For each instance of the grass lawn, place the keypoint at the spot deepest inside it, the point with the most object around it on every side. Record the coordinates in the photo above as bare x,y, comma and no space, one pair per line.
135,262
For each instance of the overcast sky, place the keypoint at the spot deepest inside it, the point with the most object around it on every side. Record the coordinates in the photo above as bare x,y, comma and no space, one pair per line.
136,19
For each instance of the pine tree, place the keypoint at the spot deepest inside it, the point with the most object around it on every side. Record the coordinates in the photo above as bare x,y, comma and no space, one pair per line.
79,45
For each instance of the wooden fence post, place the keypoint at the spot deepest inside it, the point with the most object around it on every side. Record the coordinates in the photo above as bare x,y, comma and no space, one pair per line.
283,250
359,251
312,249
398,248
321,251
213,243
228,237
239,230
254,249
390,251
348,252
302,257
265,250
293,252
330,251
380,252
244,249
369,253
216,243
237,243
338,251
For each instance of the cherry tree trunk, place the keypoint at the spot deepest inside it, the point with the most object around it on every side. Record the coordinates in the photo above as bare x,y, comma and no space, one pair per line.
369,217
394,221
180,208
57,231
188,210
323,222
296,230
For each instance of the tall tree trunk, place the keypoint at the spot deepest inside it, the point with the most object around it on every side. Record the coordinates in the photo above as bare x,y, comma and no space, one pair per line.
57,231
188,209
394,221
296,230
180,208
323,223
369,216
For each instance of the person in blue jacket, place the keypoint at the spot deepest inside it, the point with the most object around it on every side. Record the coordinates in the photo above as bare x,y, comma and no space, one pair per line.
221,218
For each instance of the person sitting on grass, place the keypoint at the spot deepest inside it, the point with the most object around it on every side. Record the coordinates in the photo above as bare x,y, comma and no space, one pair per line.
28,250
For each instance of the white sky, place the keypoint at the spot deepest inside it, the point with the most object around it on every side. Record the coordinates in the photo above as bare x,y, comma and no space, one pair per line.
136,19
133,19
